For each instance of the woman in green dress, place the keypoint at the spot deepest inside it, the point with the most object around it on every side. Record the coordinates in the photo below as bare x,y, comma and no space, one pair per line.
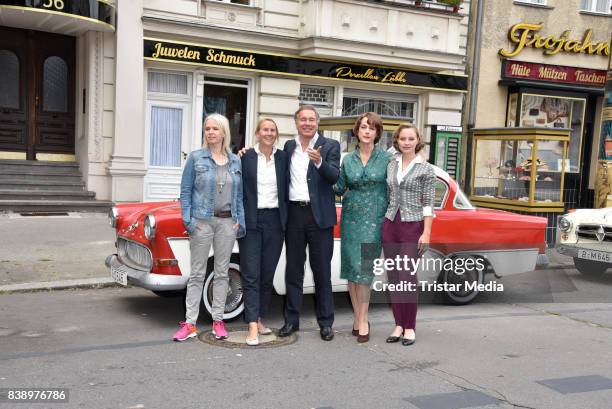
363,187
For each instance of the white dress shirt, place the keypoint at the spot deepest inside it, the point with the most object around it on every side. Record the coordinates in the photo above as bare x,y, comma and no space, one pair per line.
401,174
267,190
298,184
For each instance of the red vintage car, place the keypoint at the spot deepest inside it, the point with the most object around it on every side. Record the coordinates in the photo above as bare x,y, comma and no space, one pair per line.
153,248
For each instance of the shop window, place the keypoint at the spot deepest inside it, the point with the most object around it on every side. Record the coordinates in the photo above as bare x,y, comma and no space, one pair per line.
168,83
55,85
356,105
166,130
9,80
318,96
389,105
228,97
596,6
539,111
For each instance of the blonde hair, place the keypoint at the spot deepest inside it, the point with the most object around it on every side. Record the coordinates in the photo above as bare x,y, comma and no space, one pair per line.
260,123
223,124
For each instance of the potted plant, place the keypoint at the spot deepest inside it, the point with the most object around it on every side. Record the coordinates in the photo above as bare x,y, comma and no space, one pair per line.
454,3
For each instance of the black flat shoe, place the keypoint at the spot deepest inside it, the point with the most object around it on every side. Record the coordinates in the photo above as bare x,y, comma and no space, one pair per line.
392,339
327,333
287,330
408,341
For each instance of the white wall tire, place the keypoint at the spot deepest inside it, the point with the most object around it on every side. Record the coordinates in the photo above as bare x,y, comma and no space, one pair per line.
462,297
234,305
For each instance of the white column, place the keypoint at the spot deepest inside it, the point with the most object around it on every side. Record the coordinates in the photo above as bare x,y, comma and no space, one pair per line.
127,167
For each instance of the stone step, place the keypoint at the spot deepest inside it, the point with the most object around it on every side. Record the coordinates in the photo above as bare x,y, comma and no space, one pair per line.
12,184
35,171
18,206
37,164
38,176
29,194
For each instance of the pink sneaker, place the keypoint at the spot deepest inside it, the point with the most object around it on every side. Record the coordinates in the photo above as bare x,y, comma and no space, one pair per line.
186,331
218,330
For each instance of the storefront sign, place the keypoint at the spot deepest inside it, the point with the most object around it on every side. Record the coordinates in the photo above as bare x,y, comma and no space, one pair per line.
98,10
162,50
553,73
526,35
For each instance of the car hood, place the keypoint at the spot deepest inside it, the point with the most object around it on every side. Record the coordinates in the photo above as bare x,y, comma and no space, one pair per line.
132,219
594,216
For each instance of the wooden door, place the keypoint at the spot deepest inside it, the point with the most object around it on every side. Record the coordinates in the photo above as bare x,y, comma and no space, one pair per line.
38,113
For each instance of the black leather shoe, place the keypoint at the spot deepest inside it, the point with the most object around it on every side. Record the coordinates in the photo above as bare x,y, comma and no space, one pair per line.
407,341
287,330
391,339
327,333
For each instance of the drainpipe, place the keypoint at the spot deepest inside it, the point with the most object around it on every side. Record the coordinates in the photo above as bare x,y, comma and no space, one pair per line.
472,93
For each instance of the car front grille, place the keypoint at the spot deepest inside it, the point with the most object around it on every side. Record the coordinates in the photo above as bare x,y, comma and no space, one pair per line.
134,255
592,231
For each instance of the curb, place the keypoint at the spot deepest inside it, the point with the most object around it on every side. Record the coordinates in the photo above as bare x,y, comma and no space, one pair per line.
58,285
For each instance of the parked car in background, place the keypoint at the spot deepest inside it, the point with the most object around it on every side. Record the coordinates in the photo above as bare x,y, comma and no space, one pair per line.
586,235
153,248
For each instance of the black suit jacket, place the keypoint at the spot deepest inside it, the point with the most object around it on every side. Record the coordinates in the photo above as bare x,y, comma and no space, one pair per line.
249,186
321,180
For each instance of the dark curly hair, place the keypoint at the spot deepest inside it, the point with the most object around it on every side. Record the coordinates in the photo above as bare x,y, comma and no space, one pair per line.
373,120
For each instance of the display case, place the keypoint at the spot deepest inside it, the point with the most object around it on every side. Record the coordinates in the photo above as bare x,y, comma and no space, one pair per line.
519,168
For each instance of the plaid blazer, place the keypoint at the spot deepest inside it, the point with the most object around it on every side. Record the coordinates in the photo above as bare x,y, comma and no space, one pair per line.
415,192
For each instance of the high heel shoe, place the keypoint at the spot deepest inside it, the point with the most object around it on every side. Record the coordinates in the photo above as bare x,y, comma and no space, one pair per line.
356,331
364,338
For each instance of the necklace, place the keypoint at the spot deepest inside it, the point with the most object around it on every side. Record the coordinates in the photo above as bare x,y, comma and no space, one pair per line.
221,181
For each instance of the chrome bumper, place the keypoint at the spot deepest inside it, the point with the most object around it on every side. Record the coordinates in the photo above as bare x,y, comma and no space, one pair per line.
145,279
571,250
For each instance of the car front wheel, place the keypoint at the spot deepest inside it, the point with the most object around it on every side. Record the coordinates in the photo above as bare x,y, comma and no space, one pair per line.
456,279
234,303
589,267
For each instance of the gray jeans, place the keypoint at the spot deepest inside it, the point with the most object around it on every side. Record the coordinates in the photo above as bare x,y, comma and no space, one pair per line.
221,235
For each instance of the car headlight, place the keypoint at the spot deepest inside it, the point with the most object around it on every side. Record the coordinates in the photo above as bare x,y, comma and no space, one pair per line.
113,215
564,224
149,227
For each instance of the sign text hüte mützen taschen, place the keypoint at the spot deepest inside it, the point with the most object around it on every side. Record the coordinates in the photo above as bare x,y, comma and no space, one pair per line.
553,73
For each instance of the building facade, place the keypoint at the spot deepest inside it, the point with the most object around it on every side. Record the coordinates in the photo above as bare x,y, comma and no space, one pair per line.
537,64
138,92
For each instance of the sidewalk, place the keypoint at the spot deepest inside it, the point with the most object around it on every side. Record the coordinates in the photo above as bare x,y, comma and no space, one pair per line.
61,252
53,252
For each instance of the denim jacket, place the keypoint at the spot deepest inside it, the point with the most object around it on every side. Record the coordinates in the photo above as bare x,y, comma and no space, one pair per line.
198,190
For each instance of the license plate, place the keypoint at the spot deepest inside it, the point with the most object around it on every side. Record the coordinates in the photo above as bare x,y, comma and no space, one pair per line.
119,276
595,255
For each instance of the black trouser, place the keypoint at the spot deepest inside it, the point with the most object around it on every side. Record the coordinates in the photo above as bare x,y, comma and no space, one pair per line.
302,230
260,250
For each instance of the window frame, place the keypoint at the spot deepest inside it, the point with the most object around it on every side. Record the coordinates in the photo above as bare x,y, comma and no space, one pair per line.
593,4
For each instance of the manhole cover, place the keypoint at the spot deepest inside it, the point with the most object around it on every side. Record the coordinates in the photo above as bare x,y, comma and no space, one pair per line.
237,339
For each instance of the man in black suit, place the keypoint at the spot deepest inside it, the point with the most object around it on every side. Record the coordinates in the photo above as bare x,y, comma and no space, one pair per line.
314,163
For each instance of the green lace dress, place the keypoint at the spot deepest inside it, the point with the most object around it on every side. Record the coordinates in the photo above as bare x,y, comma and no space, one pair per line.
364,203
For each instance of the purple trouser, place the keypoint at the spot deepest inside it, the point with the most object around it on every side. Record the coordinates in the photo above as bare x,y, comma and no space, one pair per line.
401,238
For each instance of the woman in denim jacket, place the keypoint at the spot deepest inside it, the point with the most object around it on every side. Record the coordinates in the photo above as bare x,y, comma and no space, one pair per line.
213,214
